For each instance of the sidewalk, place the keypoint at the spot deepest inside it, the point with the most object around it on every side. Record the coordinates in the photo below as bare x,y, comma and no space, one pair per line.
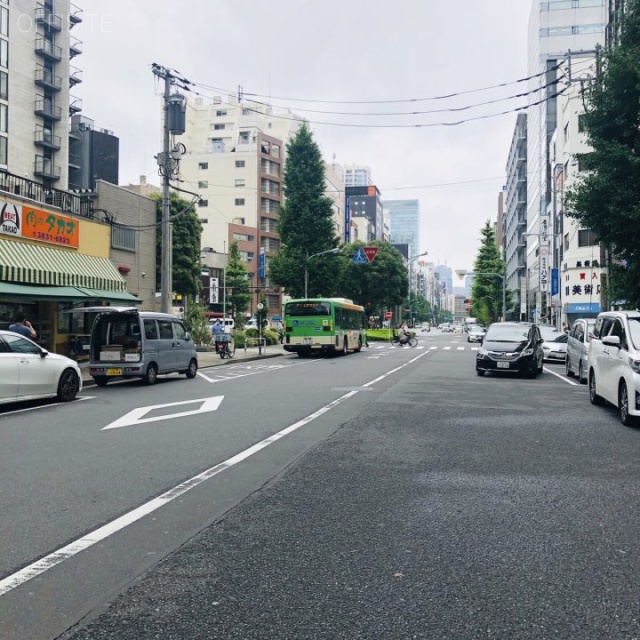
208,359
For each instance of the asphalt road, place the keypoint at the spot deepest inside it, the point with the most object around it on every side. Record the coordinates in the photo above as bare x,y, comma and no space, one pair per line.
425,502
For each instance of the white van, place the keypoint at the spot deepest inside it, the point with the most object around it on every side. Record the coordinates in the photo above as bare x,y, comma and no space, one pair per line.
127,343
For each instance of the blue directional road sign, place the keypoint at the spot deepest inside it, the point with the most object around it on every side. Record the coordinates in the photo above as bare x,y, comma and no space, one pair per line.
360,257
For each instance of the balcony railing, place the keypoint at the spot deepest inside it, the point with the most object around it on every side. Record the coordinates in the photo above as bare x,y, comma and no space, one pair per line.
63,200
75,47
48,79
47,110
75,76
75,105
45,168
44,138
47,19
47,49
75,15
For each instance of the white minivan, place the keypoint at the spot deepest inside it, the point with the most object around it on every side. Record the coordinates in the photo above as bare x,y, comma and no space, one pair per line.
614,363
127,343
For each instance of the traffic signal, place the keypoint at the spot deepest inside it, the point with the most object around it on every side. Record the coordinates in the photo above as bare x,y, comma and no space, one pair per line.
467,304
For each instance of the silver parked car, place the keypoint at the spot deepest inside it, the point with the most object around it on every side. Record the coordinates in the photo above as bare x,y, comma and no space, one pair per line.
554,345
29,372
578,348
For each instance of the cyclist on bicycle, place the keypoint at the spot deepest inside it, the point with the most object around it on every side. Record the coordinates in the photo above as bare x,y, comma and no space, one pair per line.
403,334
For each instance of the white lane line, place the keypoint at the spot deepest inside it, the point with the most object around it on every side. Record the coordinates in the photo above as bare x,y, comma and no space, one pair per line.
447,348
432,348
460,348
575,384
46,406
73,548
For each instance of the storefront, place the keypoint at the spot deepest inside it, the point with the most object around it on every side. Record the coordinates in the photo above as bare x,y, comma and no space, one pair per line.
50,263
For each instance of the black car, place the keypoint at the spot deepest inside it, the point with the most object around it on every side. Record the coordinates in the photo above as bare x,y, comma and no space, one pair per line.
511,347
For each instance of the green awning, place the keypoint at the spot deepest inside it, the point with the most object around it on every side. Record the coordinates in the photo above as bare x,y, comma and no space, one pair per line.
34,293
31,264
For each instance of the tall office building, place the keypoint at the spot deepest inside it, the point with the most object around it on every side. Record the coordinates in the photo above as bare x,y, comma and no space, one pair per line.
556,28
363,207
37,48
404,223
93,154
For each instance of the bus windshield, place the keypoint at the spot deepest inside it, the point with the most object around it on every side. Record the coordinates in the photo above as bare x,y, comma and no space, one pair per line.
309,308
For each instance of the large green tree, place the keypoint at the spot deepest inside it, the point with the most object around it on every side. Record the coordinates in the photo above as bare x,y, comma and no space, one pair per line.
377,285
606,197
186,233
306,225
237,281
486,291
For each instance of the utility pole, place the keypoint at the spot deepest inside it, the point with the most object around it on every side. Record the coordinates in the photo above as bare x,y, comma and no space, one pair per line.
168,162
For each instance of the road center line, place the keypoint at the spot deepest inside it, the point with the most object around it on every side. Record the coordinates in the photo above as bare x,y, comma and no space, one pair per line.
82,544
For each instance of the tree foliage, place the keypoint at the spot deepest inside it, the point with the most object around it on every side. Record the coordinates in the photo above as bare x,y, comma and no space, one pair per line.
606,197
196,322
376,285
306,225
486,292
237,281
186,233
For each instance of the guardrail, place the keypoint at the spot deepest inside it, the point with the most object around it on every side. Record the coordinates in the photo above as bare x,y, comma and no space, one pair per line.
261,343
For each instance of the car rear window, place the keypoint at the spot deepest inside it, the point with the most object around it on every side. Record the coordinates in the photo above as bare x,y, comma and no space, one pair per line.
507,333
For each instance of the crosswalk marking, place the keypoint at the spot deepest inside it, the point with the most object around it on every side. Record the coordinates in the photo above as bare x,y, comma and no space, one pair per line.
447,348
460,348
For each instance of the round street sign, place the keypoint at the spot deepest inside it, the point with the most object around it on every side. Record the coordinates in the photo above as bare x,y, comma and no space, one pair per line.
260,306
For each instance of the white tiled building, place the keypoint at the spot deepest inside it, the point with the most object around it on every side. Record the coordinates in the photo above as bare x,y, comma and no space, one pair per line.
37,75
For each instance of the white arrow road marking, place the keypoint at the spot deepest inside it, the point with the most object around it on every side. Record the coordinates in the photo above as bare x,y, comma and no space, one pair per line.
136,416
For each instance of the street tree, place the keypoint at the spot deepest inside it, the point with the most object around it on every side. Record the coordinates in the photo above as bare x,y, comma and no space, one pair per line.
377,285
306,225
606,196
486,291
186,233
237,283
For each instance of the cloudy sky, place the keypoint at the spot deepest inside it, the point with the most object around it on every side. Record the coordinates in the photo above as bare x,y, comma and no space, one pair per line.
338,52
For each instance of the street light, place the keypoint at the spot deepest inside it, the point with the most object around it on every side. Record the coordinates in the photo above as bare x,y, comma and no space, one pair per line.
306,266
461,273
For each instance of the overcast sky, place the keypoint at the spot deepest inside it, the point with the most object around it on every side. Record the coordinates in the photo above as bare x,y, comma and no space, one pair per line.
332,50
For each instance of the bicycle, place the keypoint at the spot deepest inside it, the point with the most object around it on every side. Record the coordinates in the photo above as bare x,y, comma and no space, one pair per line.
396,342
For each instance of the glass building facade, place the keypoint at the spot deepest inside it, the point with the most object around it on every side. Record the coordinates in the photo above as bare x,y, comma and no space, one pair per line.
404,218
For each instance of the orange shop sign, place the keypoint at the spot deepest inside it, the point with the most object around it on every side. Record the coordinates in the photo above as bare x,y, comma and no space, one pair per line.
53,228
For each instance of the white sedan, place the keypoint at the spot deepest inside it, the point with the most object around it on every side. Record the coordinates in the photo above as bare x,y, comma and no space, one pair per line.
29,372
554,345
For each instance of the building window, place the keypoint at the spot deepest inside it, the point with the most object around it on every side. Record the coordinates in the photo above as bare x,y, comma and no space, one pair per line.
4,54
275,150
203,184
123,238
246,112
581,123
239,164
244,137
244,237
566,242
204,220
203,203
239,202
220,126
4,21
220,113
4,118
586,238
247,256
240,182
3,150
203,165
4,85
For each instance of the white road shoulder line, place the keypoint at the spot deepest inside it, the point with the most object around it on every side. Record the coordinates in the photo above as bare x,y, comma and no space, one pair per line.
53,559
563,378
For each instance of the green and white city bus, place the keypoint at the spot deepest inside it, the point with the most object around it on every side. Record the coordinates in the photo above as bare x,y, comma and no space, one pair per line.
323,325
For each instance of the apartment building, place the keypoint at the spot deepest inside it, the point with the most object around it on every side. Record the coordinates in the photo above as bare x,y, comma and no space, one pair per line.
37,77
234,162
514,220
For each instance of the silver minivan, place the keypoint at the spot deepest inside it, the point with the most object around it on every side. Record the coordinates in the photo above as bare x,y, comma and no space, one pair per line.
127,343
577,361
